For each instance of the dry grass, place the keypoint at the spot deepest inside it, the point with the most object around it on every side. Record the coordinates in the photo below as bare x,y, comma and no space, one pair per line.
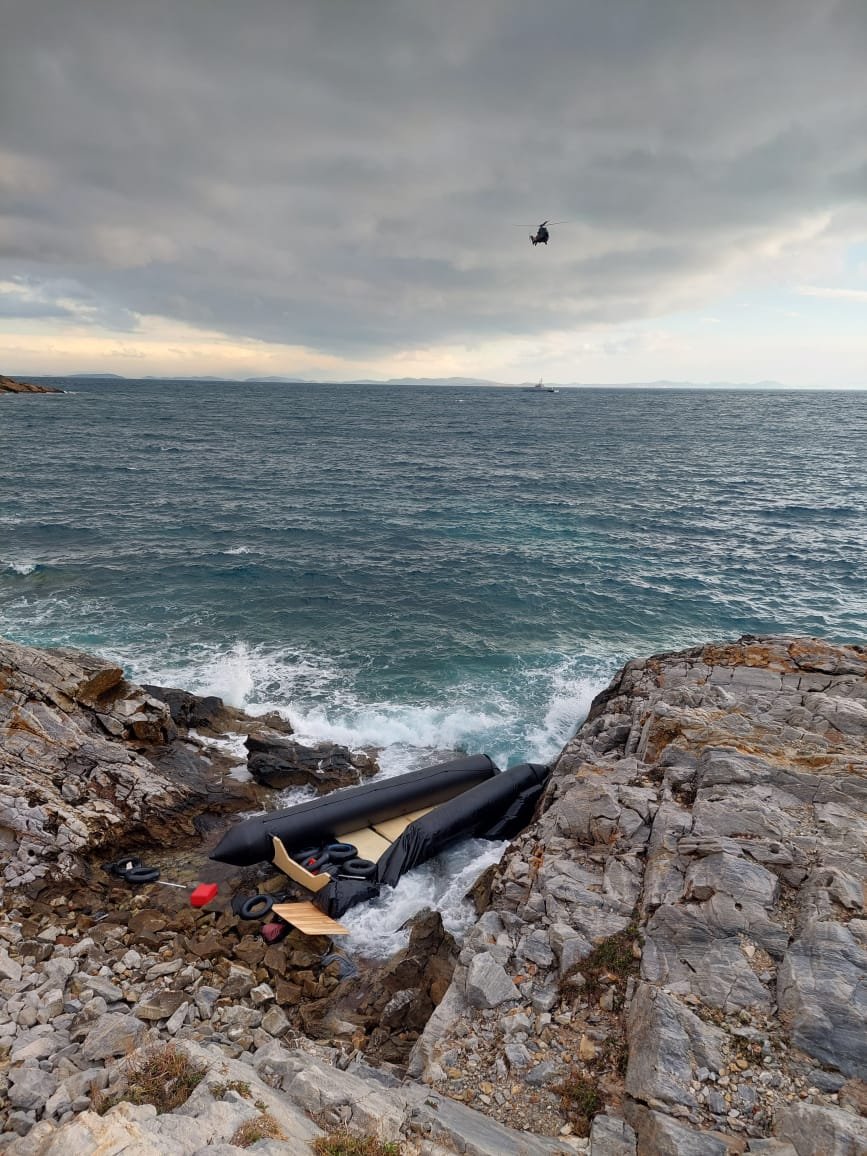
261,1127
239,1086
343,1143
164,1076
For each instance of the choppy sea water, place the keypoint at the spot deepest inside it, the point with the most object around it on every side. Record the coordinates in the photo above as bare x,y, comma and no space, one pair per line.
429,568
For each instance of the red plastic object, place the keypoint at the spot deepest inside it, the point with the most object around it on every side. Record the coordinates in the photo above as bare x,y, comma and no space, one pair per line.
203,894
274,932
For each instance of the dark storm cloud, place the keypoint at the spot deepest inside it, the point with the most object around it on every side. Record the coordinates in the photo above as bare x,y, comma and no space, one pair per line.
347,175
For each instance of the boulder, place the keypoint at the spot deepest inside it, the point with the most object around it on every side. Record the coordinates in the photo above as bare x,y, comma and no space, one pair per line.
279,762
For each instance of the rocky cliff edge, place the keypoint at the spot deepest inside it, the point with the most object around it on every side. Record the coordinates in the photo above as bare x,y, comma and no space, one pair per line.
670,960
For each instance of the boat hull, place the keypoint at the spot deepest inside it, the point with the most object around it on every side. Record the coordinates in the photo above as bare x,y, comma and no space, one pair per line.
325,819
409,818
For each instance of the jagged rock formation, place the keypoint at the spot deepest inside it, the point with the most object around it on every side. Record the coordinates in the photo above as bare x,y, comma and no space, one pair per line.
680,939
88,760
10,385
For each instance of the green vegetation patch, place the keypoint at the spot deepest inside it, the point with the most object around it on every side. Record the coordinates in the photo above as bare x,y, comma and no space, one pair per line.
581,1100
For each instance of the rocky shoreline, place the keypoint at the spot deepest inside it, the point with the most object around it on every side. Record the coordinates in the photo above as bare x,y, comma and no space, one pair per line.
671,959
10,385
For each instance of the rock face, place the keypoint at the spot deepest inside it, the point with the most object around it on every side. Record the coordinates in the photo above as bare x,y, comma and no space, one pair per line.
10,385
88,760
280,763
684,925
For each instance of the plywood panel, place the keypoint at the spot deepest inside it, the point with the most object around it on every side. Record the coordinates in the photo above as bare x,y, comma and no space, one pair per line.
295,871
309,919
392,829
368,844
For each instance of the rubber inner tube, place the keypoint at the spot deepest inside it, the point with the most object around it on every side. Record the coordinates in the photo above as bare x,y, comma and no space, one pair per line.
141,875
308,853
256,907
358,869
341,852
121,866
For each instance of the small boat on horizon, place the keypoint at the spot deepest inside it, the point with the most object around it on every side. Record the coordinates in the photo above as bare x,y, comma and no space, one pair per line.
540,387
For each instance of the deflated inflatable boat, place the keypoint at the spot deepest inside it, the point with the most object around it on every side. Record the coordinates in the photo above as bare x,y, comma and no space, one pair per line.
344,846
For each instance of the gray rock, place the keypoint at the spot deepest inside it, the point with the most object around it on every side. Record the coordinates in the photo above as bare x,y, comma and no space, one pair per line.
488,983
668,1044
825,1081
822,995
275,1022
112,1035
543,1074
9,968
660,1135
569,947
158,1004
811,1129
611,1136
101,986
29,1088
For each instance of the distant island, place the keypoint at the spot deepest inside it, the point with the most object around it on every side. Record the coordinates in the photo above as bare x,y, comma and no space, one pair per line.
10,385
453,382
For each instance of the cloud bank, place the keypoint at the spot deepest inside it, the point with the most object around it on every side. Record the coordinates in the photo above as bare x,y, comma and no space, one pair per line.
357,180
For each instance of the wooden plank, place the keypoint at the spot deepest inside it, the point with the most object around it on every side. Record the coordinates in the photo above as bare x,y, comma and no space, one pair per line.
392,829
366,841
309,919
295,871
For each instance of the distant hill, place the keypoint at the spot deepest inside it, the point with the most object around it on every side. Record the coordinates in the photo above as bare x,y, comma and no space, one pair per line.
454,382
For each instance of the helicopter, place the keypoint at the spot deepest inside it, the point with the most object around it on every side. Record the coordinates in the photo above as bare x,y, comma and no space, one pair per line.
540,237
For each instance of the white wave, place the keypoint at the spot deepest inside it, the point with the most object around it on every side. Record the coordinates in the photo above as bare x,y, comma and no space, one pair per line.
238,550
231,744
23,568
228,676
529,716
377,929
568,702
392,725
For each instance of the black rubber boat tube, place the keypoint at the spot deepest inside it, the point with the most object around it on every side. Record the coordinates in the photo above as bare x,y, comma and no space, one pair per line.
325,819
496,809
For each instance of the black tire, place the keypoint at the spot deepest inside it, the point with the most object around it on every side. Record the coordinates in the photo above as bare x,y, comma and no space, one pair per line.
121,866
302,857
358,869
257,907
341,852
141,875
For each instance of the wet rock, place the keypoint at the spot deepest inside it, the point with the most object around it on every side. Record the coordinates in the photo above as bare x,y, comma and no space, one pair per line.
279,763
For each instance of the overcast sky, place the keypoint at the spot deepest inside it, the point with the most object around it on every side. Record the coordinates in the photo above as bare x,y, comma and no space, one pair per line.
345,188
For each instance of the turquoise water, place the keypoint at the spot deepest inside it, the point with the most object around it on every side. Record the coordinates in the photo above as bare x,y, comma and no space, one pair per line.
424,568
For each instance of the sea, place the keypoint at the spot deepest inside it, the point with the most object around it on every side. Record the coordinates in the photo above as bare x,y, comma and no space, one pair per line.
424,569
